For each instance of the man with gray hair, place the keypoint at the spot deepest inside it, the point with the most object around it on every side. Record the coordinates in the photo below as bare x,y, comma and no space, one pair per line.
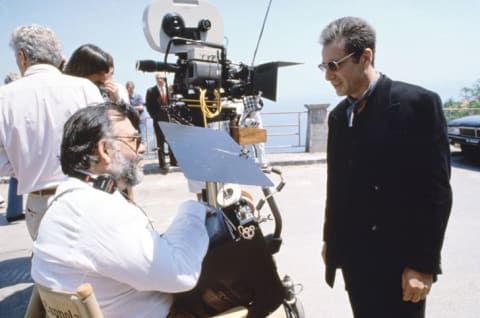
157,102
33,110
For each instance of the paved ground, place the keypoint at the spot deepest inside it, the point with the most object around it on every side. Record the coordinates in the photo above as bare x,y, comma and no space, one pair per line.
457,293
158,195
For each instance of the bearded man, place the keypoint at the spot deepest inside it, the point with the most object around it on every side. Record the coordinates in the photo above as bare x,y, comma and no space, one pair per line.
92,233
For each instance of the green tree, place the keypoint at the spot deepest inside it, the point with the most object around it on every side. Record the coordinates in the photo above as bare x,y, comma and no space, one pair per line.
472,94
450,103
469,105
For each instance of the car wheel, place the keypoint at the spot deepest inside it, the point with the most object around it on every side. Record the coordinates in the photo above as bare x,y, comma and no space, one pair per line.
470,152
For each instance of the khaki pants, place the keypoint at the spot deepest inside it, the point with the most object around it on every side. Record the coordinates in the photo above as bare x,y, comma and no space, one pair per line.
35,210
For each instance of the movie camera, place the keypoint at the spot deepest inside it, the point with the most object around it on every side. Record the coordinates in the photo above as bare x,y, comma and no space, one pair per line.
206,81
239,269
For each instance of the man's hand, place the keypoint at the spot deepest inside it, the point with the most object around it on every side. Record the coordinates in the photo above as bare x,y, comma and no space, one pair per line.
112,89
139,108
209,210
415,285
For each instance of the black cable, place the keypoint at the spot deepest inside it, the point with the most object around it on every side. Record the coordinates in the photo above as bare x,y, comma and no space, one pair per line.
261,32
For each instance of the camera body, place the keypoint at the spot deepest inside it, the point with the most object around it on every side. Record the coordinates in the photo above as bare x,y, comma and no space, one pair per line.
166,19
239,269
205,79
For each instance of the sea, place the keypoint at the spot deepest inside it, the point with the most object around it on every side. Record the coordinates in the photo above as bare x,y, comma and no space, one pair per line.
285,123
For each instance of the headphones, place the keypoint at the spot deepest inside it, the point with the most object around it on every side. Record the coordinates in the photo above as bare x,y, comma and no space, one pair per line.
103,182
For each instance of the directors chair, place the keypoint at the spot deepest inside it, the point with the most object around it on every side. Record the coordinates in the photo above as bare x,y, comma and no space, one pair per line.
49,303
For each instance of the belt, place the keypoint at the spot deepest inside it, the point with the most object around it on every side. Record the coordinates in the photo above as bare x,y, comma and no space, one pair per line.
44,192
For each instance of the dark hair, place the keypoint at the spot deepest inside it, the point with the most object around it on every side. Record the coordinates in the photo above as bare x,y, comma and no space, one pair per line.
85,128
88,59
356,33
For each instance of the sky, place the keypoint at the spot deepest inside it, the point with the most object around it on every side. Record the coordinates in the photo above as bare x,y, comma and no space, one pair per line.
432,43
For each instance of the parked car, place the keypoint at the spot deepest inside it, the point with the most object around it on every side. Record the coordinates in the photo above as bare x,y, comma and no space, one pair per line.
465,133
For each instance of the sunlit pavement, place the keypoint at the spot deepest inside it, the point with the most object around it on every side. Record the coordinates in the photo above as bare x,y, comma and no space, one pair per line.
301,202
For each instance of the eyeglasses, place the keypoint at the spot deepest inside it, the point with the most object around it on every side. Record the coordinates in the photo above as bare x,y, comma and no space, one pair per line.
334,66
137,138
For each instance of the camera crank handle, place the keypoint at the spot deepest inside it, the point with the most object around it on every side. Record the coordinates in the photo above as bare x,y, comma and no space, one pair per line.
260,204
277,171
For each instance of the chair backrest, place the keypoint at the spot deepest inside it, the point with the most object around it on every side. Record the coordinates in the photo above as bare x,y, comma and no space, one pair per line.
35,307
79,304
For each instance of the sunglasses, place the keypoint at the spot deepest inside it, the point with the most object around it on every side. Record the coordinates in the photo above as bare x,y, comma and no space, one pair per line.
128,140
334,66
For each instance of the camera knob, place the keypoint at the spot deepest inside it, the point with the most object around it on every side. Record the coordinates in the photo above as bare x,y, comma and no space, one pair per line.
173,24
204,25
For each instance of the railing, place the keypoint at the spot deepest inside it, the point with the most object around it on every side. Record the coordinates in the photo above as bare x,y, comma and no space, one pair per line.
285,131
281,125
148,137
452,113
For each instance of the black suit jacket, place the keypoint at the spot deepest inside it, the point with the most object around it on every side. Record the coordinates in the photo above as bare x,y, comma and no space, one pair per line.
153,100
388,190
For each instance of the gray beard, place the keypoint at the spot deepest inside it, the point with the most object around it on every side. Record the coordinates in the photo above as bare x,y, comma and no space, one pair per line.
126,171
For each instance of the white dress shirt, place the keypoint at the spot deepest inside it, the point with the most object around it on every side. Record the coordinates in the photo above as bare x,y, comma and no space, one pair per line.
33,110
123,93
88,235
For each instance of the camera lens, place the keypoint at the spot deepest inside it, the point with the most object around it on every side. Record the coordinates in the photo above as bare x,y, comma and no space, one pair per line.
204,25
173,24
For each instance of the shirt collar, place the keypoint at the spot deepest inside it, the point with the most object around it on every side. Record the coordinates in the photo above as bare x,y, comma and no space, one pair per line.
355,103
366,94
41,68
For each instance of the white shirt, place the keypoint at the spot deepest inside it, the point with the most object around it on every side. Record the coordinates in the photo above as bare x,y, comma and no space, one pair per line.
163,92
123,93
33,110
88,235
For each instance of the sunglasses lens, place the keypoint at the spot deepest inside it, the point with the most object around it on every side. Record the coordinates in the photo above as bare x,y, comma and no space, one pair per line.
139,142
333,66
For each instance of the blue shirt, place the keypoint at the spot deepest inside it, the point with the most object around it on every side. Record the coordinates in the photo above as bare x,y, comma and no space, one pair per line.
136,99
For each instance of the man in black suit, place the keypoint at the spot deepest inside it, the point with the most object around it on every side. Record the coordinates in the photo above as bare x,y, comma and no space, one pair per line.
157,103
388,191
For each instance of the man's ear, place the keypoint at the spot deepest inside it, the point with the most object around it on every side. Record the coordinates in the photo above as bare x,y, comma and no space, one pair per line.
367,57
104,152
22,61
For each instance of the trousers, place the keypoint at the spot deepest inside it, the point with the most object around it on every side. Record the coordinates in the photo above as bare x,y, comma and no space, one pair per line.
36,208
15,202
377,292
161,147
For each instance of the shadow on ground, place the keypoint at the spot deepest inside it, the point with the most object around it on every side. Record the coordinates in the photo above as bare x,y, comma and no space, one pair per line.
459,160
15,271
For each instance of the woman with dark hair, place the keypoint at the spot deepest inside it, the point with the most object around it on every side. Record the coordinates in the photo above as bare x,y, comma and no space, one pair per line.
90,61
